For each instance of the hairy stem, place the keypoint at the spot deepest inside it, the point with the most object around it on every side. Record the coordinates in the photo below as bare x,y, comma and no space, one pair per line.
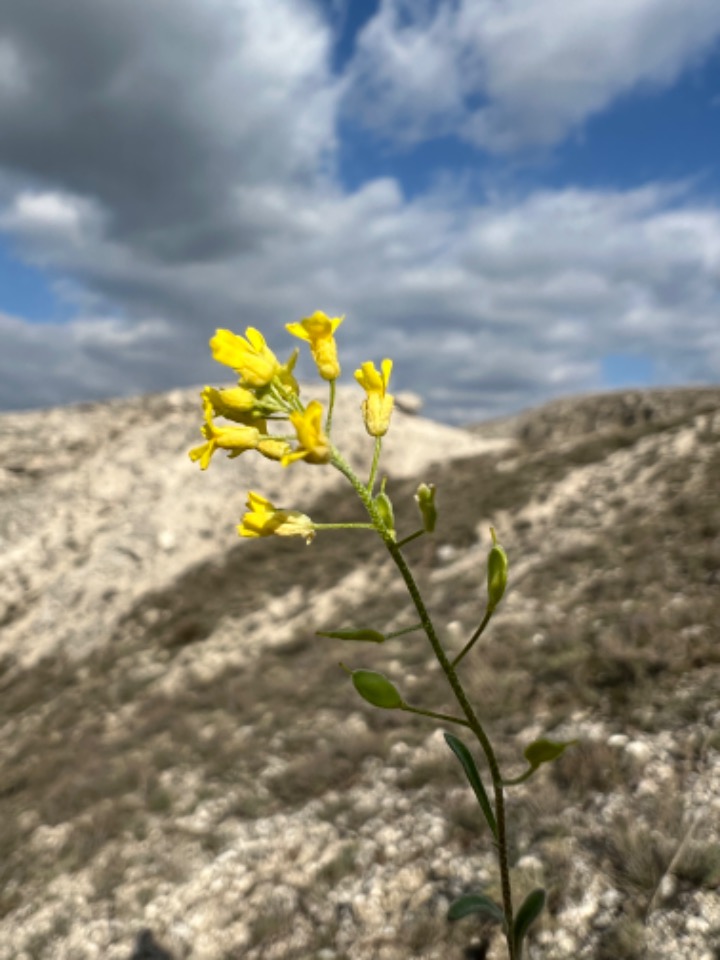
374,467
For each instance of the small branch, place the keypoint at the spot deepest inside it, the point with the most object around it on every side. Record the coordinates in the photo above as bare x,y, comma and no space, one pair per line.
435,716
331,405
400,633
473,639
413,536
343,526
374,467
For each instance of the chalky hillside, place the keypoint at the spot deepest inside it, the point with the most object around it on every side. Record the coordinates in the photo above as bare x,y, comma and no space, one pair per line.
185,767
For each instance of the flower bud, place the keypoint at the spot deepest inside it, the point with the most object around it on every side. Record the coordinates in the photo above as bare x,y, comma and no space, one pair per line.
497,573
425,499
384,507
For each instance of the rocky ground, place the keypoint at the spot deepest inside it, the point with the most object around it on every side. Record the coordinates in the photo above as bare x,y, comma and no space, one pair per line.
186,772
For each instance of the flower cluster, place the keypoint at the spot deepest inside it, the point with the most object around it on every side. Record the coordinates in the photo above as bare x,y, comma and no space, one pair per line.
266,393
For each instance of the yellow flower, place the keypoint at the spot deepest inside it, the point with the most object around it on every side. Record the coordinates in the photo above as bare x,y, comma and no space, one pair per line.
264,520
318,331
378,406
249,356
236,404
314,445
234,439
274,448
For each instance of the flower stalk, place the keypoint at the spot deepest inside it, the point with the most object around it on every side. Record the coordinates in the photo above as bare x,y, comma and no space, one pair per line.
267,392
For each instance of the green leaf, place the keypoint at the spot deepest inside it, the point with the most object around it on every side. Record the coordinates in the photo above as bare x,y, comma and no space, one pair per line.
377,689
475,903
471,772
545,751
528,913
371,636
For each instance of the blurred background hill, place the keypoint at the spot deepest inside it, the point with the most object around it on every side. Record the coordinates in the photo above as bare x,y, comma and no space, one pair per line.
185,767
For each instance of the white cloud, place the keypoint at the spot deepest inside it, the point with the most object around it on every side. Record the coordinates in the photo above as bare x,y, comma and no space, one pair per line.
188,185
484,308
508,74
46,215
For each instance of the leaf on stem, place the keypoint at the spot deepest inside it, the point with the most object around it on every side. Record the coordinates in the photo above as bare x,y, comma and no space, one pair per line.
475,903
370,636
471,772
530,910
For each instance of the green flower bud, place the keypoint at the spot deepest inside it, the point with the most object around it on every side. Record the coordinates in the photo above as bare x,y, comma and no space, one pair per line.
384,507
497,572
376,689
425,498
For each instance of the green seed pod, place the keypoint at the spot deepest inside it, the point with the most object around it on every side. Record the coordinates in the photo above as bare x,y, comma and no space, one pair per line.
545,751
425,498
384,507
497,573
376,689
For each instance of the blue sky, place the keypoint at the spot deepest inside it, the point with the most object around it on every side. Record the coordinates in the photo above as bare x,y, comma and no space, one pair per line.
515,199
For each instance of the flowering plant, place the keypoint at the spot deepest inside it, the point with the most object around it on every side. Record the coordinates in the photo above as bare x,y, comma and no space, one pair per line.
267,392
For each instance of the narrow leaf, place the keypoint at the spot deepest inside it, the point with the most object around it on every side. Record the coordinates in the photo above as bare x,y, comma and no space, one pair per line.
371,636
471,772
530,910
545,751
475,903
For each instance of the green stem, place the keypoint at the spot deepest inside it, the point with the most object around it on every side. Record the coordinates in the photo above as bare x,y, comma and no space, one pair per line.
521,779
435,716
374,467
287,400
471,642
343,526
457,688
400,633
331,405
413,536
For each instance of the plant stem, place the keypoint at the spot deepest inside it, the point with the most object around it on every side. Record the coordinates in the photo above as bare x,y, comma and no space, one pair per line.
331,405
413,536
343,526
374,467
471,642
435,716
457,688
400,633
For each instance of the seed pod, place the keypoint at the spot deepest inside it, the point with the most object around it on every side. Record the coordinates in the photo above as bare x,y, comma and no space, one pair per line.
376,689
497,573
425,498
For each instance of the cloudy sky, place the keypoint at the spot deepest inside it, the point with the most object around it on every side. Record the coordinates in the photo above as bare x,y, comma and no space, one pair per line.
514,199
